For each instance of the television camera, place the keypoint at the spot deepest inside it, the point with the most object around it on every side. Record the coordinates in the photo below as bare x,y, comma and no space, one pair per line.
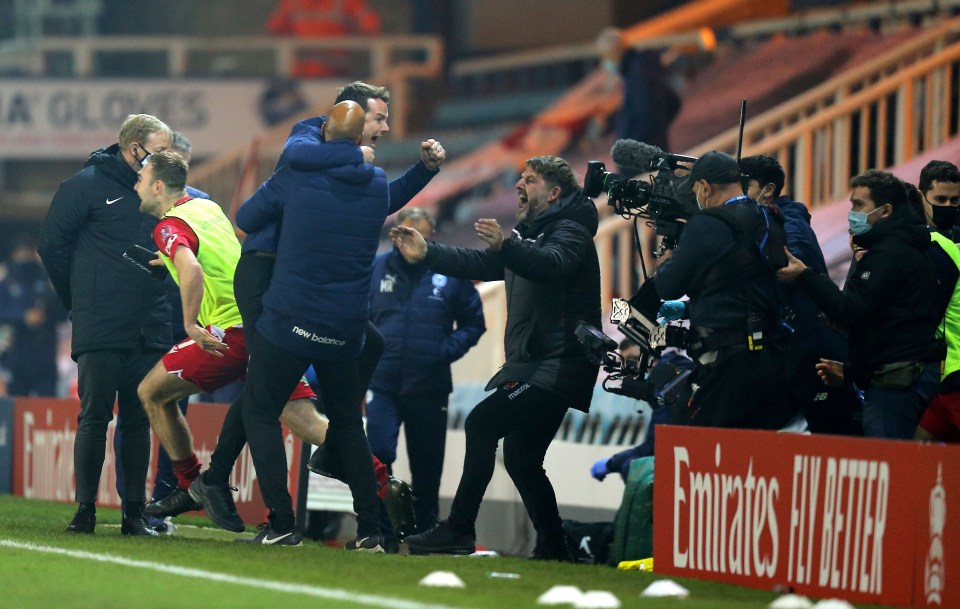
668,200
637,320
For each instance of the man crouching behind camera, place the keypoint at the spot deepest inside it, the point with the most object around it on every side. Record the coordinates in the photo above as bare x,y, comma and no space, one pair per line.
733,306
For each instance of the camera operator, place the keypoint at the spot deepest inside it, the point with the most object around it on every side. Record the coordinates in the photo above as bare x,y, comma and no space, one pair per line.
733,305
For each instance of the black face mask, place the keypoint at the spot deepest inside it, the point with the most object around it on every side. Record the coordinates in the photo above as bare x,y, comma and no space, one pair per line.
944,216
142,161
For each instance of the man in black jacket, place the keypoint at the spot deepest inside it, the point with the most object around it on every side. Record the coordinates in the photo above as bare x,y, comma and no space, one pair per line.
733,303
121,317
889,307
552,279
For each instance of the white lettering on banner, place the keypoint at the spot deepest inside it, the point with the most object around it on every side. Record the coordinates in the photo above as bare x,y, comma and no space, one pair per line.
47,460
721,539
933,570
87,108
53,118
852,511
732,524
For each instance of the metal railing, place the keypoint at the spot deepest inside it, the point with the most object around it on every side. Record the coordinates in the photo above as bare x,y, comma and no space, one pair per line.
881,114
195,56
876,115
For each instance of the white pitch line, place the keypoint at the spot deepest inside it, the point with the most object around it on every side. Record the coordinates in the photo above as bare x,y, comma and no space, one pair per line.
264,584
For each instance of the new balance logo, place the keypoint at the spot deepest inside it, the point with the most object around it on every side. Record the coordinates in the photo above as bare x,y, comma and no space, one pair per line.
323,340
112,201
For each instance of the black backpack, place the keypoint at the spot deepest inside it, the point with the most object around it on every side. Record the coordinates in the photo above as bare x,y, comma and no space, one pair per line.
761,239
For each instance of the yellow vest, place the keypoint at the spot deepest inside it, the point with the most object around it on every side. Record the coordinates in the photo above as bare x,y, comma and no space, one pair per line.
217,253
949,328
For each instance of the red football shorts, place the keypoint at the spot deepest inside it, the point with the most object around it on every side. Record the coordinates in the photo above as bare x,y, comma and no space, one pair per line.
942,418
209,372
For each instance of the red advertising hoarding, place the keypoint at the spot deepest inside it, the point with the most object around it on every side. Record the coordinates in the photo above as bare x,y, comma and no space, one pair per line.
43,439
863,520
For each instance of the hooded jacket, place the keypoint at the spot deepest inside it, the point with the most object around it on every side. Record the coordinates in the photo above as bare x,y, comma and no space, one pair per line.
889,306
317,304
552,279
93,219
303,151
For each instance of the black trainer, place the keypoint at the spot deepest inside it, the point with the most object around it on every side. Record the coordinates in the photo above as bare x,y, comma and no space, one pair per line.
442,539
133,523
218,501
399,503
269,537
552,550
373,544
84,521
319,464
174,504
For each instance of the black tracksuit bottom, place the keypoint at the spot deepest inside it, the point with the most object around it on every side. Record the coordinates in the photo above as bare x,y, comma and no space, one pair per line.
527,418
272,375
251,279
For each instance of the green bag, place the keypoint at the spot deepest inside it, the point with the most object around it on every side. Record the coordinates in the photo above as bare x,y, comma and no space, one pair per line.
633,525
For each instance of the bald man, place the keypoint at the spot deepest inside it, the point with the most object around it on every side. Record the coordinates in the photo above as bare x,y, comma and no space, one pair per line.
315,312
345,121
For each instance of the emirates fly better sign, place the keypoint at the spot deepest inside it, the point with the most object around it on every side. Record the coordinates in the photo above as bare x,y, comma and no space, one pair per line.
864,520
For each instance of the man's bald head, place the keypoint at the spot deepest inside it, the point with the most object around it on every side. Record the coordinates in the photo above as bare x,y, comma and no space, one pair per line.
345,121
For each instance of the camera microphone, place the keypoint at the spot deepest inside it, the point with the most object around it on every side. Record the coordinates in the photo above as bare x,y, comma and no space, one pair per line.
633,157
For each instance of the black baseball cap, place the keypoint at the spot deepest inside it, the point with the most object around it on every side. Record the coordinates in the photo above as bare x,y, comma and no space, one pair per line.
716,168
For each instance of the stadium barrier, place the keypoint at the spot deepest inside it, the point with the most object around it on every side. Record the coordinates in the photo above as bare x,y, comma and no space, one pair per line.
43,438
866,520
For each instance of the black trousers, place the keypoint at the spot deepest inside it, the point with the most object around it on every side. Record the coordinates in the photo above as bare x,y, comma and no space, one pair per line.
271,376
250,281
106,377
527,418
742,389
424,420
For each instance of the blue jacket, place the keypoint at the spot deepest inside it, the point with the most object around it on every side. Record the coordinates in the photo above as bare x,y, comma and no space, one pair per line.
801,240
415,310
303,152
317,304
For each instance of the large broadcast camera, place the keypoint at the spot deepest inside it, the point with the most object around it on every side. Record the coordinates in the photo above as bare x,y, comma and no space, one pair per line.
637,320
668,201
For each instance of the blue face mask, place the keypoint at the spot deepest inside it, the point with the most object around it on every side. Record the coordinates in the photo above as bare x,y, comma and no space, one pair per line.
858,221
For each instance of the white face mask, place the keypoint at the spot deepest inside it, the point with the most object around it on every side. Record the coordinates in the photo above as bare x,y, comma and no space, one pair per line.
697,195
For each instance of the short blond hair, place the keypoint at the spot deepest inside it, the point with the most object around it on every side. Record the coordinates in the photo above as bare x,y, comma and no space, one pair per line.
136,128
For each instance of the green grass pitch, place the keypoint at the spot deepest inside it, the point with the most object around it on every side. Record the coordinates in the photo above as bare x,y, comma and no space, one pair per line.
200,567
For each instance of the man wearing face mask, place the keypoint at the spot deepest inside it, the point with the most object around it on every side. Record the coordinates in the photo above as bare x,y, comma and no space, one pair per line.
889,307
733,306
937,200
121,316
940,190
